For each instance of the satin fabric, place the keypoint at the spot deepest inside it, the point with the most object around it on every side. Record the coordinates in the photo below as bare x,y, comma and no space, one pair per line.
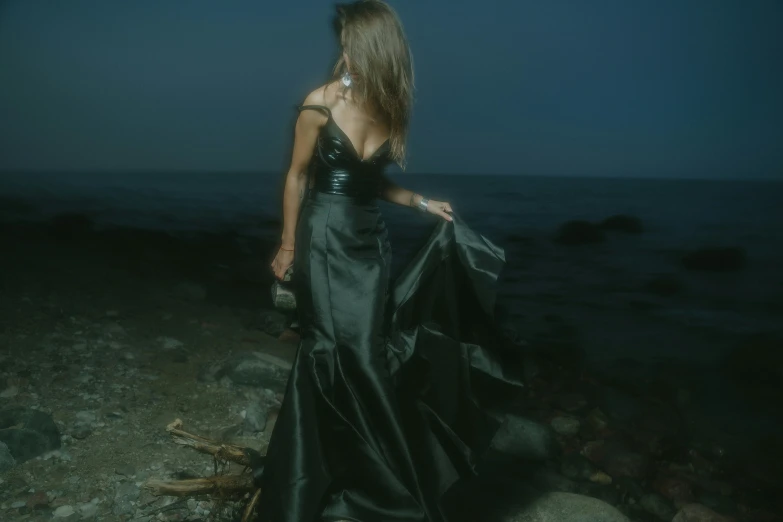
396,390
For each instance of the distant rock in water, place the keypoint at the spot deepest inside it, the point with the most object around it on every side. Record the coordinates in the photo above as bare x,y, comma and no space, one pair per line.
715,259
579,233
623,223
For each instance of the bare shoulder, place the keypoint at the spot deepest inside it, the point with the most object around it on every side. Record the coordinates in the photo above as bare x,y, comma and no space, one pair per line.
316,118
317,97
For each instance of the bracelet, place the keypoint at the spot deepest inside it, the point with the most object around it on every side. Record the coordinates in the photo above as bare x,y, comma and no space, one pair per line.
286,249
424,204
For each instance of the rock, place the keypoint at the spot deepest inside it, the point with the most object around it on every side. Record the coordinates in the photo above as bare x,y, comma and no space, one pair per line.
210,372
114,329
676,489
37,499
255,369
623,223
28,433
629,488
88,510
526,439
126,470
571,402
64,512
665,285
191,291
255,417
603,492
547,480
599,477
657,506
616,458
169,343
566,507
81,432
9,393
698,513
272,322
124,497
567,426
6,459
715,259
289,336
718,503
577,467
597,420
579,233
86,417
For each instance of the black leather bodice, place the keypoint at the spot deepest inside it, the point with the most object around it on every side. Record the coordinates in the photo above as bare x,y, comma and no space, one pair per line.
337,167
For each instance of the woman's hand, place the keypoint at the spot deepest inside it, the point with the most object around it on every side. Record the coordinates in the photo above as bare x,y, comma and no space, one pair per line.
439,208
282,262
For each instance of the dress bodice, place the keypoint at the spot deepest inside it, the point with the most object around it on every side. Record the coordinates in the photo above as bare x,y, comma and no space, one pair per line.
337,166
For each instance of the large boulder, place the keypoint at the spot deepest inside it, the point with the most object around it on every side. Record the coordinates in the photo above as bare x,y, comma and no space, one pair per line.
698,513
565,507
526,439
7,460
28,433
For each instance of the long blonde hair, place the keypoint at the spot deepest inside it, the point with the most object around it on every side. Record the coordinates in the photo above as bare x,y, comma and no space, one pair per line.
381,65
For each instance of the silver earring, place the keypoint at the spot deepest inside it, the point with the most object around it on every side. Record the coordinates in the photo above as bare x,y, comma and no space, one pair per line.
346,79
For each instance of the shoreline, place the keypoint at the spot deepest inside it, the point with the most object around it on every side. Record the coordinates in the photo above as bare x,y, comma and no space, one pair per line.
115,333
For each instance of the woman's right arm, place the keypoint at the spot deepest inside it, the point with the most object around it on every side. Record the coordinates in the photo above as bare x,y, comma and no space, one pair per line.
308,125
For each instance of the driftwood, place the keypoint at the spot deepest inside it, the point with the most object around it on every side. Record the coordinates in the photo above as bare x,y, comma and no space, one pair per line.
224,485
221,486
229,452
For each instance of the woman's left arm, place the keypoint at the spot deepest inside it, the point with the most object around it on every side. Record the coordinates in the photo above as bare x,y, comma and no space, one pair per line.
393,193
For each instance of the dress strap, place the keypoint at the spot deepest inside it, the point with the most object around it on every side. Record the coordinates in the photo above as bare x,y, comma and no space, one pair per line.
316,108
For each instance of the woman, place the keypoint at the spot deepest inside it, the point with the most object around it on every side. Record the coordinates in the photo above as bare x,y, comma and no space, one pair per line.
381,413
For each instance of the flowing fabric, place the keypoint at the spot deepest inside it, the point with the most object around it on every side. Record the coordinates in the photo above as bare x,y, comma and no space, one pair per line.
396,390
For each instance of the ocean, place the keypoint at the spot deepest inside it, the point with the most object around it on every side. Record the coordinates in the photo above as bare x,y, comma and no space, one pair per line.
601,289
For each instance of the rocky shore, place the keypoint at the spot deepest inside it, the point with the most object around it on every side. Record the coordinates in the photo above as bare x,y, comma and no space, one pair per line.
107,337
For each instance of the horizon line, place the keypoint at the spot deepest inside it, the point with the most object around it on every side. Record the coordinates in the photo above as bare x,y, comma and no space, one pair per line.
396,173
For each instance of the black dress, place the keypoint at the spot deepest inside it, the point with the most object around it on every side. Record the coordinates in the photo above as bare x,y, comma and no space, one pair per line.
391,395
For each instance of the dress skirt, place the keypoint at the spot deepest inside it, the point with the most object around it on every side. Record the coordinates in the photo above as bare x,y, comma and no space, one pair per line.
396,389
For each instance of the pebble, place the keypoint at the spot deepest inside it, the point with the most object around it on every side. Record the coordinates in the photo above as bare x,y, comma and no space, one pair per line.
601,478
114,329
89,510
658,506
126,470
567,426
63,512
170,343
9,392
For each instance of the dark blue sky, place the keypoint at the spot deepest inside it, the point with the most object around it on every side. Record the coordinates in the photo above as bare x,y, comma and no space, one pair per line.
557,87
